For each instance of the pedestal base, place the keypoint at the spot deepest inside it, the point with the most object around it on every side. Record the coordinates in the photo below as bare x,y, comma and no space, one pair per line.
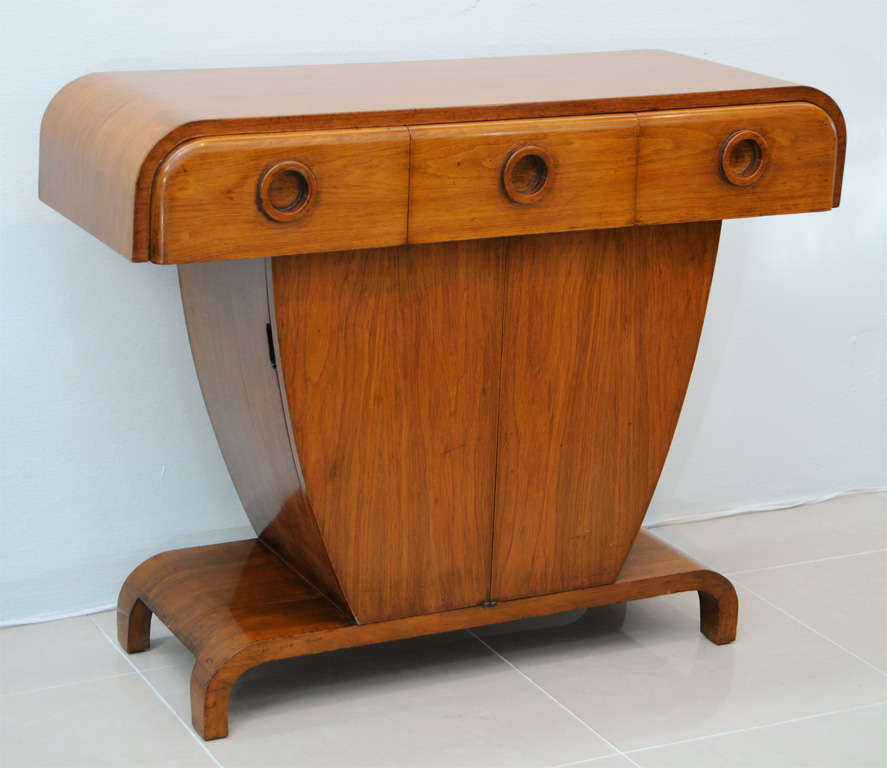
236,606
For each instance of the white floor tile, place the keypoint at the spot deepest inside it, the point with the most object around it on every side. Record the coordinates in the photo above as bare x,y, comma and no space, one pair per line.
440,701
113,722
613,761
845,599
855,739
165,650
842,526
642,674
55,653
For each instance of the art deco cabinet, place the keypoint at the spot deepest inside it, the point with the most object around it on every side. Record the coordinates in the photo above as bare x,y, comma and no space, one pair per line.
443,316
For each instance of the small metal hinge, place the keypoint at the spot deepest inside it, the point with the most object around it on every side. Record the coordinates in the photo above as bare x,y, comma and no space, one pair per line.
271,354
489,604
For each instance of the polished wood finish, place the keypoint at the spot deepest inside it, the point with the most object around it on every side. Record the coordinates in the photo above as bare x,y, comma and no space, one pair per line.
527,174
236,606
443,315
358,177
559,420
228,316
745,156
105,135
391,372
286,190
601,330
425,390
680,175
456,177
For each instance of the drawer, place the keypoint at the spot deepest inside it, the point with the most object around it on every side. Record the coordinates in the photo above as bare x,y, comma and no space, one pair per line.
246,196
518,177
728,162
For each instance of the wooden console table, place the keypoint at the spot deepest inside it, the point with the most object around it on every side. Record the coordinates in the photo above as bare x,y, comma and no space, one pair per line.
443,315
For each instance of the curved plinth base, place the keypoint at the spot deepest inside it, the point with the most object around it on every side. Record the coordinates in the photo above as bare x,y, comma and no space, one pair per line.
236,605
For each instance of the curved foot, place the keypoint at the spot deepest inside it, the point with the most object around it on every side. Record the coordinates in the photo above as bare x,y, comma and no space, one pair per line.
210,692
719,611
133,622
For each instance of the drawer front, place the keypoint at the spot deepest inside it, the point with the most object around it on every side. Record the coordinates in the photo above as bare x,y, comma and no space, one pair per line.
519,177
728,162
248,196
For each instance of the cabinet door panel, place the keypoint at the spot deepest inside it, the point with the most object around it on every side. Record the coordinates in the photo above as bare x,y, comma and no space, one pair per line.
390,359
600,336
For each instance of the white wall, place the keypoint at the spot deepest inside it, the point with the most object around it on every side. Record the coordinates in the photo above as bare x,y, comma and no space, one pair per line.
107,453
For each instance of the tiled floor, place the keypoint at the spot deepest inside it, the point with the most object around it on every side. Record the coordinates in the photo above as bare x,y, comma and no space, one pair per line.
805,684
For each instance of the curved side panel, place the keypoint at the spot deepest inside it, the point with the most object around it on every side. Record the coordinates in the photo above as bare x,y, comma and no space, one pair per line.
227,313
601,330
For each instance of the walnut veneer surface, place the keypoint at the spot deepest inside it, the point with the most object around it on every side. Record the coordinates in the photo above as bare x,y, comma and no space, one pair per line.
104,135
443,315
236,606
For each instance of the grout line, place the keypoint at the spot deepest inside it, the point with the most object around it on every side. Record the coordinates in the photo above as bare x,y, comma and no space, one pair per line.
806,562
592,760
556,701
814,631
757,727
165,703
68,685
795,618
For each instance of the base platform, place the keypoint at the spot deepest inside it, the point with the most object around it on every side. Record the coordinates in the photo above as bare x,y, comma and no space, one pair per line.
236,605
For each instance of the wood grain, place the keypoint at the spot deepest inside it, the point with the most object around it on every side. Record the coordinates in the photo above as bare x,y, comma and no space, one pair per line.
527,174
744,157
389,367
210,185
457,192
390,359
478,375
679,175
104,136
601,330
227,313
235,606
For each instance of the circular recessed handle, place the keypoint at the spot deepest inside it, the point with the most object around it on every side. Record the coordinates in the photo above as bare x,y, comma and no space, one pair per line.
527,174
744,157
286,190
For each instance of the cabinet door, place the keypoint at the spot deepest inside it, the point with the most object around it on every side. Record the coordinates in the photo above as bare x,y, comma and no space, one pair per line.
390,359
599,340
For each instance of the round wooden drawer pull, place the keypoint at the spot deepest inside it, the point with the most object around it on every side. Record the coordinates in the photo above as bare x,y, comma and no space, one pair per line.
744,157
527,174
286,190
